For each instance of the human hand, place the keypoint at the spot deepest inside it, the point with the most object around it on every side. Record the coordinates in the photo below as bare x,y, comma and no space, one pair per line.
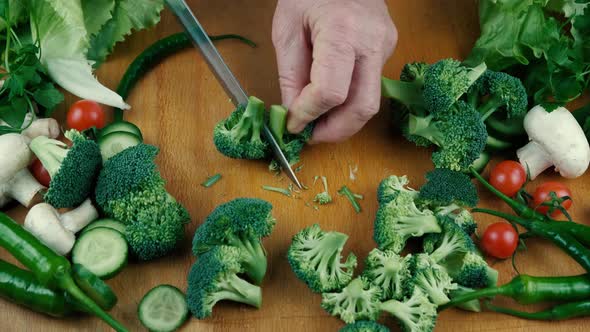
330,55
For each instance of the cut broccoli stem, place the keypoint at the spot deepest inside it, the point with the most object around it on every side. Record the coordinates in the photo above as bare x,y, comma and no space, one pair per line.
345,191
327,254
407,93
211,180
323,197
254,257
449,245
422,126
50,152
251,122
277,121
283,191
237,289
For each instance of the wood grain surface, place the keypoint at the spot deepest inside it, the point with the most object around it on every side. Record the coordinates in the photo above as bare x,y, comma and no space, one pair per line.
178,103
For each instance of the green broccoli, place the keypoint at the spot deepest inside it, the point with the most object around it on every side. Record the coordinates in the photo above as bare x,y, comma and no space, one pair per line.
391,186
364,326
452,242
446,187
389,271
323,197
290,144
359,300
130,189
215,277
460,216
239,136
472,305
415,313
241,223
401,219
431,278
315,258
499,90
472,271
414,72
73,170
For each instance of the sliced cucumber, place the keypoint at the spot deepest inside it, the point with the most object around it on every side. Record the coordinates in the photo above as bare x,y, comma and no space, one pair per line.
121,126
108,223
163,309
103,251
495,144
96,289
113,143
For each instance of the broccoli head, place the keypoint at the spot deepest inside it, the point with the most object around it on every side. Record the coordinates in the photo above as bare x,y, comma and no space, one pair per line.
215,277
73,170
415,313
432,279
388,271
460,216
401,219
359,300
452,243
241,223
364,326
315,257
446,187
391,186
239,136
471,270
414,72
290,144
501,91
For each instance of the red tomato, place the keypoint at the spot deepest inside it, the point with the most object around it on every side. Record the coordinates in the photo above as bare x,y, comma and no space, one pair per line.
499,240
85,114
508,177
542,195
40,173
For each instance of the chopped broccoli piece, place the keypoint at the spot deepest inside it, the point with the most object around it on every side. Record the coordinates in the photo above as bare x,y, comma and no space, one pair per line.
73,170
241,223
447,187
315,257
452,243
283,191
211,180
471,270
497,91
364,326
401,219
415,313
323,197
460,216
359,300
472,305
352,198
388,271
215,277
290,144
432,279
391,186
414,72
239,136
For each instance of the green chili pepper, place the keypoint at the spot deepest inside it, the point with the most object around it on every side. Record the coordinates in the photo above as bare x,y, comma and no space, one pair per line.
50,269
558,312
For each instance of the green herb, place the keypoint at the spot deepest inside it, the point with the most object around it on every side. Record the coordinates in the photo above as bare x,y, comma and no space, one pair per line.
352,197
283,191
211,180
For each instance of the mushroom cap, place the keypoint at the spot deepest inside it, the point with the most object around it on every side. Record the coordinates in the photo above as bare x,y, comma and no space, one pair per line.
561,137
14,155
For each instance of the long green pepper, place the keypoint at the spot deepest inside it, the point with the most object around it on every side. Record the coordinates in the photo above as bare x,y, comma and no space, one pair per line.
558,312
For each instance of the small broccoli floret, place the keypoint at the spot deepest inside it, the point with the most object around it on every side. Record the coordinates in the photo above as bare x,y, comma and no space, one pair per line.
502,91
215,277
239,136
454,242
445,187
460,216
414,72
73,170
364,326
391,186
471,270
415,314
290,144
401,219
323,197
359,300
241,223
446,81
432,279
388,271
315,258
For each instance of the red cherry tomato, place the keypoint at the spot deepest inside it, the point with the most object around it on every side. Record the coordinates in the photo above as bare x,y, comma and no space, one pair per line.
40,173
499,240
508,177
85,114
542,195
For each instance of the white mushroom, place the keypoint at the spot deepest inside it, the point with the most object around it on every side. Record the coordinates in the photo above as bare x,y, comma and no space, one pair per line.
556,139
16,182
78,218
40,127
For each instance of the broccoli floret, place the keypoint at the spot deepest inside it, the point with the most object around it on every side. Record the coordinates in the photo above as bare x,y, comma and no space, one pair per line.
414,72
432,279
460,216
415,314
323,197
401,219
290,144
241,223
315,258
452,244
388,271
359,300
73,170
131,190
391,186
471,270
364,326
446,81
446,187
499,90
215,277
239,136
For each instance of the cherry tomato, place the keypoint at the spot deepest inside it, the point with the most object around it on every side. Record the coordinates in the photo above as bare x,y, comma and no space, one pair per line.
499,240
40,173
85,114
542,195
508,177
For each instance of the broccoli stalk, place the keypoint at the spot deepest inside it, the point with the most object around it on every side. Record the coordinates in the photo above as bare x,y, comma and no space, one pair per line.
323,197
501,91
388,271
358,300
432,279
290,144
352,198
415,314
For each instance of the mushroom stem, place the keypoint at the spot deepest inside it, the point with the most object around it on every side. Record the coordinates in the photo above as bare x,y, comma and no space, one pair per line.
42,127
534,159
43,222
23,187
76,219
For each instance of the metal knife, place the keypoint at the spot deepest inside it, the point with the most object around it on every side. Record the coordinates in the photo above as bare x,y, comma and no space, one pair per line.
223,73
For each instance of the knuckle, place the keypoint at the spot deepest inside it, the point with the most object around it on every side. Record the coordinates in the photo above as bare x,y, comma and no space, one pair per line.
366,113
327,98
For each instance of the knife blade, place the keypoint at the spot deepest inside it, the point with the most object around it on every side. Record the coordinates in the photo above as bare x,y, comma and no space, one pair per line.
224,75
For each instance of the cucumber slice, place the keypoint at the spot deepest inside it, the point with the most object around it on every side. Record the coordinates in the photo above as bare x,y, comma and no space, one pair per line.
108,223
103,251
121,126
113,143
94,287
495,144
163,309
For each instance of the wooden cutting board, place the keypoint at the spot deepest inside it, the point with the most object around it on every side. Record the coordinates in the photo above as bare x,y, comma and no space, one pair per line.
178,103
